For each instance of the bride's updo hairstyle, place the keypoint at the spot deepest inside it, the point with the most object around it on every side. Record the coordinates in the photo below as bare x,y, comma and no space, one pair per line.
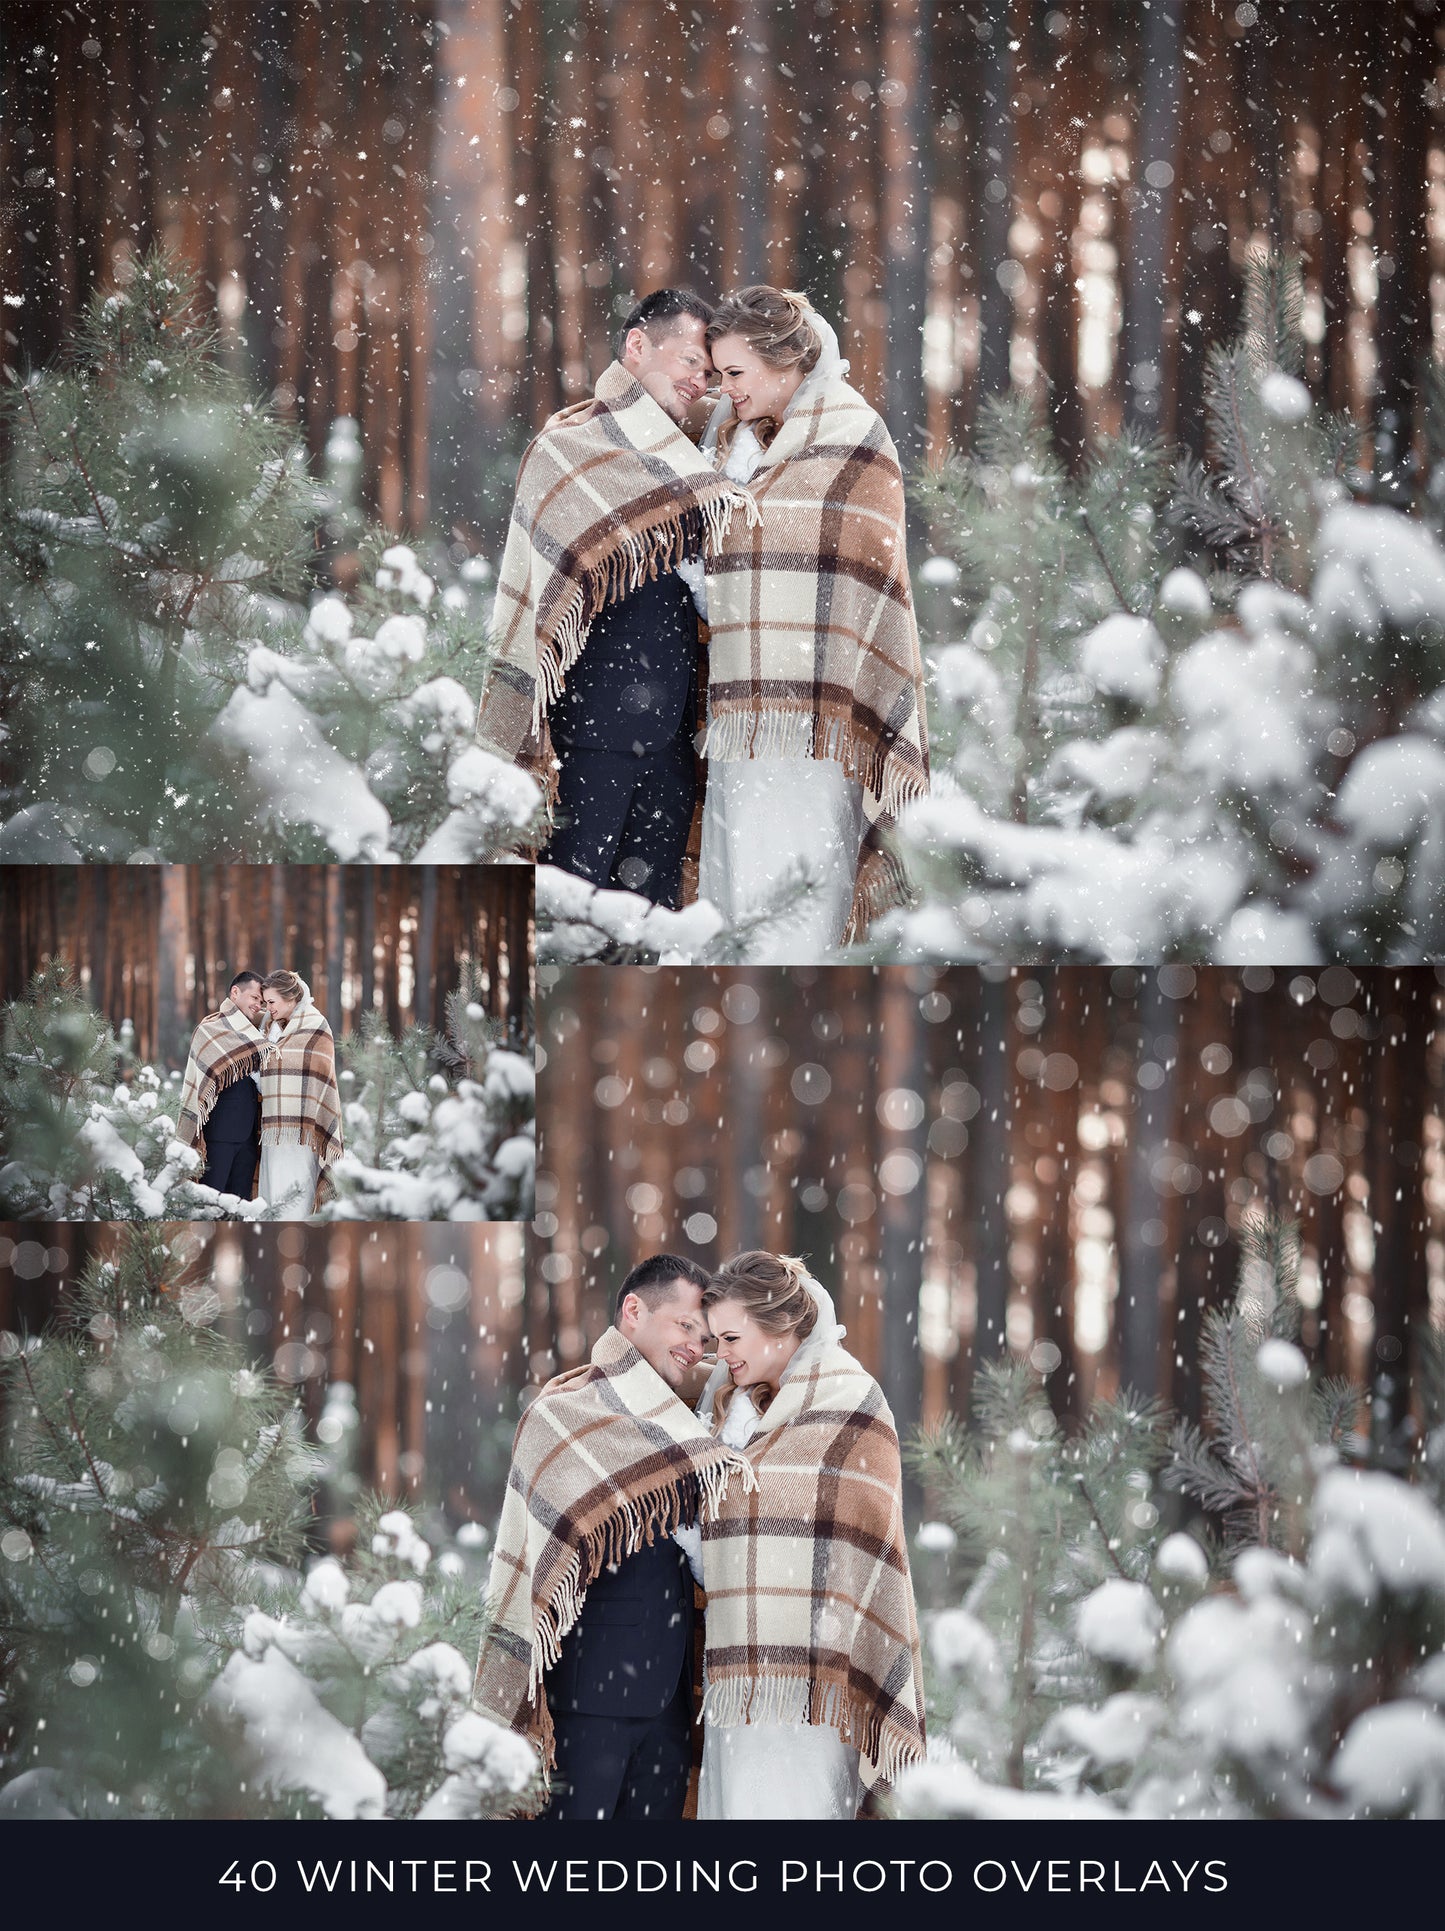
770,1288
774,324
290,985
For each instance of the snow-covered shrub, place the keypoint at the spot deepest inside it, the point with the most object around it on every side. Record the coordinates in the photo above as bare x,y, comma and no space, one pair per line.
1308,1679
1133,762
436,1129
350,1695
168,693
164,1658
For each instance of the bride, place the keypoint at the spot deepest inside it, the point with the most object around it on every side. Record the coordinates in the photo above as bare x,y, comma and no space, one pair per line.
815,676
813,1681
300,1099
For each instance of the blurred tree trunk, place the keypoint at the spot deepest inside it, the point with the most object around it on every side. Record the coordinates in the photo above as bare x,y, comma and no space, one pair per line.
1398,126
906,130
529,56
902,1081
173,1005
995,163
990,1167
1138,1313
746,147
1147,281
1399,1093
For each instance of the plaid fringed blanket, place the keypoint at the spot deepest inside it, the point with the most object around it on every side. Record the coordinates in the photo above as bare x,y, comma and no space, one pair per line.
300,1100
807,1574
814,646
225,1047
605,1459
608,494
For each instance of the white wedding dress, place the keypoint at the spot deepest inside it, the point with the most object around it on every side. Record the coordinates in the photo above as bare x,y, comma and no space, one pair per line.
290,1173
790,1769
765,818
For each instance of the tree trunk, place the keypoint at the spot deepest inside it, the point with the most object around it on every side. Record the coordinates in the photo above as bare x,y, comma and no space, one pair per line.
1147,278
994,166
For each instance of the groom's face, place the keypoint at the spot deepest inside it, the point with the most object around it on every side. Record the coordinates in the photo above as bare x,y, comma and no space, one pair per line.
670,1337
674,365
248,998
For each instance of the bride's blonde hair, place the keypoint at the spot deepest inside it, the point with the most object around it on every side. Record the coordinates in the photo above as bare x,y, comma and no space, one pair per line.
772,1289
774,323
290,985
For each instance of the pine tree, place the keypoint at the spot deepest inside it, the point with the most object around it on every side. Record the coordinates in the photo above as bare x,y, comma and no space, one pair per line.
161,1655
1237,755
1047,1521
1257,502
1048,557
438,1128
148,1468
349,1694
1254,1463
167,692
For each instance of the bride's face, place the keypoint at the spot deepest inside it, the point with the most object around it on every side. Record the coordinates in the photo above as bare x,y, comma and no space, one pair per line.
279,1006
753,389
753,1357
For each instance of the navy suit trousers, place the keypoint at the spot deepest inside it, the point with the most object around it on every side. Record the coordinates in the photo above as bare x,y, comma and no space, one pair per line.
610,1766
627,818
231,1167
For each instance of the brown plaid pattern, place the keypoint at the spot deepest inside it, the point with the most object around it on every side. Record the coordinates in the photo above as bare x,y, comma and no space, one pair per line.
807,1574
300,1100
608,494
814,646
605,1459
225,1047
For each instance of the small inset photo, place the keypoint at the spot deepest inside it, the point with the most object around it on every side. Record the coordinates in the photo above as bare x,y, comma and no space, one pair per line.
267,1042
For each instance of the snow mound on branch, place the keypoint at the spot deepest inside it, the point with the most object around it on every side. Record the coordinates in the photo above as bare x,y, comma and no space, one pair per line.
1240,700
1180,1558
1281,1364
583,920
1266,935
1284,397
1119,1622
1114,1735
1184,593
1391,789
1243,1679
1392,1763
1375,1535
298,776
486,1762
1123,657
953,1790
491,799
963,1646
1376,566
289,1742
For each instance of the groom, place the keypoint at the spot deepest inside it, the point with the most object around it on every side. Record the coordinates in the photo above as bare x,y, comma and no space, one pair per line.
616,1702
593,687
220,1100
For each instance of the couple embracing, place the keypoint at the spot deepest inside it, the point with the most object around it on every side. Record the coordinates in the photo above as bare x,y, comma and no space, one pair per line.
783,534
779,1494
260,1088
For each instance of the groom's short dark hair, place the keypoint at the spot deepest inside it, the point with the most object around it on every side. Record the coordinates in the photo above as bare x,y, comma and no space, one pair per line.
245,978
654,1279
663,305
